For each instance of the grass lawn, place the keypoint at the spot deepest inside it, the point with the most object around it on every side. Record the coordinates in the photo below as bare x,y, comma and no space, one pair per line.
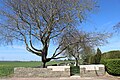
7,67
20,63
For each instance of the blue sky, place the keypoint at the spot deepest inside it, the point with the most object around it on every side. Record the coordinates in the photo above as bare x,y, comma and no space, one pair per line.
103,19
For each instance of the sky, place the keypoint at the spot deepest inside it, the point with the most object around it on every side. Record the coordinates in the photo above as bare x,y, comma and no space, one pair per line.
107,16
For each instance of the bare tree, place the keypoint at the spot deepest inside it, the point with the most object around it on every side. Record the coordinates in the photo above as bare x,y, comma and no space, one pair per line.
82,43
117,27
40,21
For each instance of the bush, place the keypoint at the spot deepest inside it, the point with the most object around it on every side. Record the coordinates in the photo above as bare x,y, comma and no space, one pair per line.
97,57
112,66
92,59
111,55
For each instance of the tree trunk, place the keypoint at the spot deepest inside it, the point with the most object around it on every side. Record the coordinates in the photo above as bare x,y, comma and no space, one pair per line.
44,64
44,60
76,60
44,56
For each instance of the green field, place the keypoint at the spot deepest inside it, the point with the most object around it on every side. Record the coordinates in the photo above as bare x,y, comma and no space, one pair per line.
20,64
27,63
7,67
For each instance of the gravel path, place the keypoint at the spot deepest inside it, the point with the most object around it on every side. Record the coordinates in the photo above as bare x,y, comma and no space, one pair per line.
106,77
68,78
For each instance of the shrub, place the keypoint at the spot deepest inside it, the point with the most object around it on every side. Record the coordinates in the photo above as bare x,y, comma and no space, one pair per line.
92,59
112,66
98,56
95,59
111,55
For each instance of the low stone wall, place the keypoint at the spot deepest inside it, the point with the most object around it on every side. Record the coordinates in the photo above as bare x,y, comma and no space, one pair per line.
92,70
42,72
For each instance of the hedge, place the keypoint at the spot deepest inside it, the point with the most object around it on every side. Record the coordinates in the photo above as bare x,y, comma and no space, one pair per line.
112,66
111,55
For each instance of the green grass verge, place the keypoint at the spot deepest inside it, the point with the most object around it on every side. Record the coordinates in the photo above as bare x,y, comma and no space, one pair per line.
6,71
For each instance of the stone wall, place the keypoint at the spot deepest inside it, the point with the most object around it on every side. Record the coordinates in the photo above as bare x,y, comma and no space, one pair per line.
92,70
41,72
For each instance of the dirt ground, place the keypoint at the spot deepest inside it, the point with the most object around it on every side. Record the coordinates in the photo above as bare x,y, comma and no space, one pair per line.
105,77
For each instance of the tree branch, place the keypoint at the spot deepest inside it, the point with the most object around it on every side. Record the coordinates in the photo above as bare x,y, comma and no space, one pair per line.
33,47
63,49
59,57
